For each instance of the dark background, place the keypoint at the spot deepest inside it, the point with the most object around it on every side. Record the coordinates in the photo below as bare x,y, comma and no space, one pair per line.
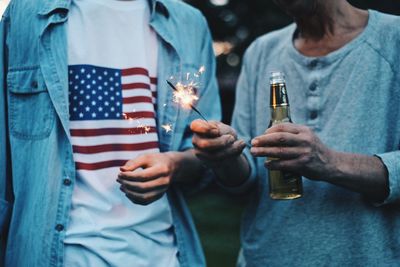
234,25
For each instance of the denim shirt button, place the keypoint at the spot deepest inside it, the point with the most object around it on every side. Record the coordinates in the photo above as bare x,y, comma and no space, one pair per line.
67,182
34,84
59,227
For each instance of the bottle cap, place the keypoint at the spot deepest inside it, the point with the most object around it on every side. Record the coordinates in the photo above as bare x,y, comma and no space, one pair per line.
277,77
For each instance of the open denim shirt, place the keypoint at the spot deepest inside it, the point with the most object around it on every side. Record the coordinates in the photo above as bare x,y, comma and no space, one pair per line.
37,170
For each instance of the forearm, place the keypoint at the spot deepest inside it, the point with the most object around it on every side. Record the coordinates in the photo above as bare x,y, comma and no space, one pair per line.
232,172
188,167
360,173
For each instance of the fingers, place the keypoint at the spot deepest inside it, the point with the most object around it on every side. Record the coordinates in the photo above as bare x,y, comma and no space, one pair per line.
212,144
143,198
146,186
286,127
279,152
203,128
147,174
276,139
218,155
131,165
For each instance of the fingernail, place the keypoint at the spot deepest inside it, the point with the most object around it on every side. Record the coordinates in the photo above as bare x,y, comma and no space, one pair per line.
254,142
123,168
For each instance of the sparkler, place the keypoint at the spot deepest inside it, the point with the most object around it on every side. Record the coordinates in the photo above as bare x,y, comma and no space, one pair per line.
186,96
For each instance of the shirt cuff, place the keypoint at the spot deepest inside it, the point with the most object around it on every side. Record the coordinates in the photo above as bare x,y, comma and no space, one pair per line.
391,161
245,186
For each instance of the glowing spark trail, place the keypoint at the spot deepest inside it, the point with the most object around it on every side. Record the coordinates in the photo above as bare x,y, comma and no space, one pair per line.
185,95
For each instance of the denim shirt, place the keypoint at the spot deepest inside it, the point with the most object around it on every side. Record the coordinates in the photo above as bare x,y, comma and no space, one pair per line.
37,172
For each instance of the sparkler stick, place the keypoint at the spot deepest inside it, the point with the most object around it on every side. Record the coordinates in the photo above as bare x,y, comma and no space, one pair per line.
190,105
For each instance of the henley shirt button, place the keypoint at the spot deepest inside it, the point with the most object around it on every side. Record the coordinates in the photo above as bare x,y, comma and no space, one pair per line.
313,86
59,227
313,63
67,182
313,114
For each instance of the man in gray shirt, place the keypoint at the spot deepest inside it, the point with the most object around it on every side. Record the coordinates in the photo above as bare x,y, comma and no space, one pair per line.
343,81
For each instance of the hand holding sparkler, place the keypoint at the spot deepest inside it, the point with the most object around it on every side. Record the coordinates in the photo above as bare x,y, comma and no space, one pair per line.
214,141
216,144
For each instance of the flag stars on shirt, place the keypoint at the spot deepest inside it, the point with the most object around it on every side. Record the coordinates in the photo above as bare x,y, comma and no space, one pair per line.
105,96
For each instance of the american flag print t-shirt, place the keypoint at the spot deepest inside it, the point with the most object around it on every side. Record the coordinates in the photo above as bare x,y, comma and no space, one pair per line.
112,73
115,103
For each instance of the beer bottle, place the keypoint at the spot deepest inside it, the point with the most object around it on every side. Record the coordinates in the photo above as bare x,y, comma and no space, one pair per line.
282,185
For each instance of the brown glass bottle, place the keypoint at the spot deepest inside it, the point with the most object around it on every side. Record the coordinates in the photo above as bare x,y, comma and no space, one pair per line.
282,185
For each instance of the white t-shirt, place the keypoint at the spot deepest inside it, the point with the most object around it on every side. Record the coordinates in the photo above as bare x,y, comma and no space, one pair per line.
112,58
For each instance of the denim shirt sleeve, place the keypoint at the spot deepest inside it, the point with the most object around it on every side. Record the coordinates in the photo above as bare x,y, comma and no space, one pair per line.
4,158
209,103
242,120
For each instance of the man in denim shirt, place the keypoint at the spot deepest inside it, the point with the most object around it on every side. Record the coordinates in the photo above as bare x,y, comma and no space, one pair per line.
343,81
38,163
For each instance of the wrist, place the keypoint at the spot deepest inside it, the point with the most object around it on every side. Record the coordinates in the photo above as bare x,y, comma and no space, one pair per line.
233,172
229,161
174,162
335,166
184,166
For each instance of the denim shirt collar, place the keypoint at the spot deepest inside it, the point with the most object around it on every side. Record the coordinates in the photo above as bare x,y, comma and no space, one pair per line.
56,12
51,6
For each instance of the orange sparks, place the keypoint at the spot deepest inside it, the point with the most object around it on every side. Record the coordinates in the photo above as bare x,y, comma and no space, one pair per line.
185,95
146,129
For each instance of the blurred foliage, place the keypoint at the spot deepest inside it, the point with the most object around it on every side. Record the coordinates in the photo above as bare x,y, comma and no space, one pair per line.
238,22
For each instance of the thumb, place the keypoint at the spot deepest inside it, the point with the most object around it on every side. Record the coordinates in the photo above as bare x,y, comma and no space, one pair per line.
133,164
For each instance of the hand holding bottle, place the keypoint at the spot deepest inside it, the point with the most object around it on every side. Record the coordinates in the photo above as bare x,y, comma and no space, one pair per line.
296,149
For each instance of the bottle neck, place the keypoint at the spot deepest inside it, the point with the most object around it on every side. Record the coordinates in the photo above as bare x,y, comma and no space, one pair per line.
279,103
278,95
